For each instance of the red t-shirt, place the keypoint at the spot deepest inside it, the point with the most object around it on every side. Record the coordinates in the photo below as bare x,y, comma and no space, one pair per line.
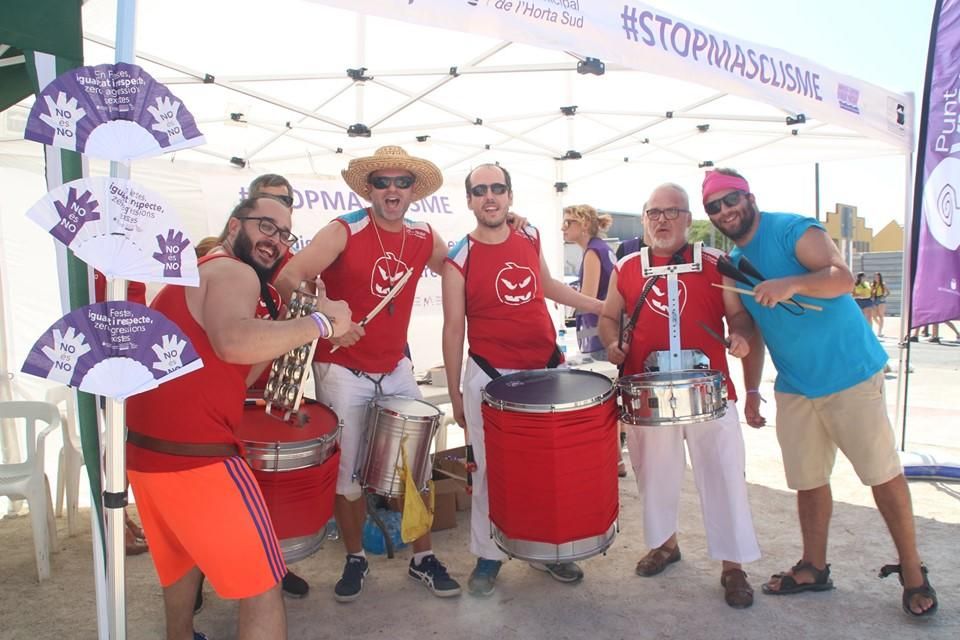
202,407
362,276
699,302
136,291
508,324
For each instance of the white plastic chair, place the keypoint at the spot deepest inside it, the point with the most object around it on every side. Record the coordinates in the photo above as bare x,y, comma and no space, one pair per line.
27,480
70,462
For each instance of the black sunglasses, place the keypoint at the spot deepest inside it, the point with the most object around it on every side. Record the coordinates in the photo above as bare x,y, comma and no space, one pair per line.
384,182
480,190
287,200
269,228
732,199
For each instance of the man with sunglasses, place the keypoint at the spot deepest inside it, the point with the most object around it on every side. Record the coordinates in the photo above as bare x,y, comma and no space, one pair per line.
363,257
510,330
198,500
829,386
716,446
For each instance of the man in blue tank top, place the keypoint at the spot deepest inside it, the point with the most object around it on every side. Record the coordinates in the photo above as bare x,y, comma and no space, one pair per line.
829,387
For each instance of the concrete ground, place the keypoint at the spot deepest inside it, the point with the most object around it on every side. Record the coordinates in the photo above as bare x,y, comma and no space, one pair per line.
612,602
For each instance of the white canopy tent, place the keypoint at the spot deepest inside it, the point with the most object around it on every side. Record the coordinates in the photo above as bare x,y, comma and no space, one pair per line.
297,88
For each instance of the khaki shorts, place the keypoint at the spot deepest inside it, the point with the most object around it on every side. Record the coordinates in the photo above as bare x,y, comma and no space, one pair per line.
854,420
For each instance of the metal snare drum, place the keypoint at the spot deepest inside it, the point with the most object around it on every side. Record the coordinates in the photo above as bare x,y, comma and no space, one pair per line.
664,398
389,419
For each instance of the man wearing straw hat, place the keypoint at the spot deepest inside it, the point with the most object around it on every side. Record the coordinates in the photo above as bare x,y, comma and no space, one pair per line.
658,453
829,387
364,257
505,336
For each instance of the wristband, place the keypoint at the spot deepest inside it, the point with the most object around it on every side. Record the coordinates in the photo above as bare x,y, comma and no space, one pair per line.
757,391
323,323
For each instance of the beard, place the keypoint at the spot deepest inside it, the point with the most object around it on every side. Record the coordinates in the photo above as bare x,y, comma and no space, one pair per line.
243,251
744,222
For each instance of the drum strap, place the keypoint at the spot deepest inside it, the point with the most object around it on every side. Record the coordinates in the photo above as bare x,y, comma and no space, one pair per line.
201,449
376,382
555,359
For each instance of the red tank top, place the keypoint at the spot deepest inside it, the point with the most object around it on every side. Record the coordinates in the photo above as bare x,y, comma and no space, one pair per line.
507,319
699,302
136,291
202,407
362,275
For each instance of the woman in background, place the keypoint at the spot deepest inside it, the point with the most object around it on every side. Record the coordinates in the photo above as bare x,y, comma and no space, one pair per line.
863,297
879,293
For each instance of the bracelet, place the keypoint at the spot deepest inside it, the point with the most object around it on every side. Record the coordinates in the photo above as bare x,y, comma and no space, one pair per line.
323,323
757,391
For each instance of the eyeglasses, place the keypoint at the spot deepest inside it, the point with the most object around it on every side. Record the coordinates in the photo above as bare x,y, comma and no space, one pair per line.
480,190
670,213
732,199
568,222
269,228
384,182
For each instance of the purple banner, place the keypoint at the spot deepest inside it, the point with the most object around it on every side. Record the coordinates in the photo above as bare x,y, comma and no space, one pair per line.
113,349
936,285
111,111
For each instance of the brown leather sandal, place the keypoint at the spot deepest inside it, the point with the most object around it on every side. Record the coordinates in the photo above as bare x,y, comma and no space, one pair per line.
737,590
657,560
908,592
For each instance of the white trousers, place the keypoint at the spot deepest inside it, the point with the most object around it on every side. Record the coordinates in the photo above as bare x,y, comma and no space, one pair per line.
718,461
348,395
481,544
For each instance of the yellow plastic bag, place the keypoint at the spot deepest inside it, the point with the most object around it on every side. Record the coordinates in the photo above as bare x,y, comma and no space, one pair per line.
417,518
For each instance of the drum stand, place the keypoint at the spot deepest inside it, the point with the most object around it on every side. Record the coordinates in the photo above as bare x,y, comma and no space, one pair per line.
675,361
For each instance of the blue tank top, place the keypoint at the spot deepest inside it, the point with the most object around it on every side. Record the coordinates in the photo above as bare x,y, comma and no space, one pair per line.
817,352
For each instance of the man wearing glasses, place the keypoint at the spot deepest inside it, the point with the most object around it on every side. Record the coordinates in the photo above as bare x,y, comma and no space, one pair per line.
198,500
509,330
363,257
829,387
716,446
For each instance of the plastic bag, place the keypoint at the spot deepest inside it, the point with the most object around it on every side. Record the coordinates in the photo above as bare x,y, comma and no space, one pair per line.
417,517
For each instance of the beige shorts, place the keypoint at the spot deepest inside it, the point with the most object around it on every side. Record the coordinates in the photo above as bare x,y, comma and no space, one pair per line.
810,430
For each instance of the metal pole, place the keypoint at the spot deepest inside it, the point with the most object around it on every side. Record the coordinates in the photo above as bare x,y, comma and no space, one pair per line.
115,485
816,190
906,302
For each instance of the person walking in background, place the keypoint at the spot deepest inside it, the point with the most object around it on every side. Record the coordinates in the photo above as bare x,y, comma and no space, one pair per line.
583,225
879,293
863,297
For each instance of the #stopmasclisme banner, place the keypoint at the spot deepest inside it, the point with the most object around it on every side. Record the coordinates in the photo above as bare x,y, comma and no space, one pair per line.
936,288
645,38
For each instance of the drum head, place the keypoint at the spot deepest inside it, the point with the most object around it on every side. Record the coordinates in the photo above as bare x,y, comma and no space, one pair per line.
407,407
318,421
548,390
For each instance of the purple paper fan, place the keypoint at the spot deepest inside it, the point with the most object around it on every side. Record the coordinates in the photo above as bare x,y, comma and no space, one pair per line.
146,348
112,111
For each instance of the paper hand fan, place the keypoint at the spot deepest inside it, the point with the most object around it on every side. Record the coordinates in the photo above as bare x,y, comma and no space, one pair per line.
111,111
120,228
114,349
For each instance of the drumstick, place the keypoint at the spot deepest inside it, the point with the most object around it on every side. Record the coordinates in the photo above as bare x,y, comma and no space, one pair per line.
386,299
751,292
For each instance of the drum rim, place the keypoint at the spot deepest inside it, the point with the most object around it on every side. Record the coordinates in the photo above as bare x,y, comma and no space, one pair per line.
524,407
695,376
374,404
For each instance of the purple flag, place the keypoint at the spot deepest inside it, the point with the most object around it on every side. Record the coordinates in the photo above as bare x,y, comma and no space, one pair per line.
936,225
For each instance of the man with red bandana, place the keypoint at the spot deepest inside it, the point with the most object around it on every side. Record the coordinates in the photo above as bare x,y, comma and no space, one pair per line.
199,501
509,331
829,387
716,446
362,256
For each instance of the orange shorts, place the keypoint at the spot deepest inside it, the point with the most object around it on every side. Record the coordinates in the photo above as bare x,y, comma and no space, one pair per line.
212,517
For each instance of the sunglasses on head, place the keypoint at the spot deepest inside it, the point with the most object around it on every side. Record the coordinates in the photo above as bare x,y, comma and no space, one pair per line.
384,182
287,200
732,199
480,190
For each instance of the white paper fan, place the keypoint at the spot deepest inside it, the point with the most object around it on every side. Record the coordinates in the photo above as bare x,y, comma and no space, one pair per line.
120,228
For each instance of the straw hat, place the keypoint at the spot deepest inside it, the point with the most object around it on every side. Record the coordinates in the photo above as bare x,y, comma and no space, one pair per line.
428,176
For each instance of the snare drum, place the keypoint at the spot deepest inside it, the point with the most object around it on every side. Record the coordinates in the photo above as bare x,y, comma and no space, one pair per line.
552,449
389,419
296,467
664,398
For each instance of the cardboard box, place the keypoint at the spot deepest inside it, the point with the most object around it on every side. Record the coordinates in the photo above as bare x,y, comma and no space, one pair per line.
451,464
445,504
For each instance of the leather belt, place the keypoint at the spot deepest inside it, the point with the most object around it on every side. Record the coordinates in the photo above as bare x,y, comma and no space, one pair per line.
198,449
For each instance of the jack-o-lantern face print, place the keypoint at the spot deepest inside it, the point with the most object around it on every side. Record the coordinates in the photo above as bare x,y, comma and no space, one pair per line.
387,271
516,284
658,301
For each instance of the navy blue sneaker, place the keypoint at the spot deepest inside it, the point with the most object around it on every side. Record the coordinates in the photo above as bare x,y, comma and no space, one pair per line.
350,585
483,579
433,574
